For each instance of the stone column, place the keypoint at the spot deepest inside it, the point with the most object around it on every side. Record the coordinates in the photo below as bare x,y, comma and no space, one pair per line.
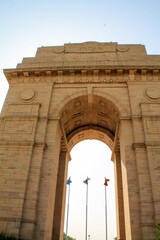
28,221
48,182
18,126
14,169
145,191
153,153
119,197
130,182
59,212
151,124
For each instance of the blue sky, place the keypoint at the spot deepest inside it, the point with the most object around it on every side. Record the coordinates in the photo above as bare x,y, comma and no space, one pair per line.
26,25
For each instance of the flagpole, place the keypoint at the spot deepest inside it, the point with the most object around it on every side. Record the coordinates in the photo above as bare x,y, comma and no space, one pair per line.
86,208
106,209
86,182
105,185
67,210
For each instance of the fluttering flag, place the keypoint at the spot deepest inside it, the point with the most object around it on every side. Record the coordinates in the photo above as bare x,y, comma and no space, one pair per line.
106,182
69,181
86,181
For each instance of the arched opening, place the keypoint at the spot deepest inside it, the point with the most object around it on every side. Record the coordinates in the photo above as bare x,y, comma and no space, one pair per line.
89,113
88,117
91,158
65,95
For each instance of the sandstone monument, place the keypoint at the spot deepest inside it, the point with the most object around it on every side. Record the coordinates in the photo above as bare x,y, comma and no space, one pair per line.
66,94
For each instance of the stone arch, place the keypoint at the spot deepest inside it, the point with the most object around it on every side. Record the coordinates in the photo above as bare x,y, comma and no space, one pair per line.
122,109
66,100
96,119
80,112
95,132
35,134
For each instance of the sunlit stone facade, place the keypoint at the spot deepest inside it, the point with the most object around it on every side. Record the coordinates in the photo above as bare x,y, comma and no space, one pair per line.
66,94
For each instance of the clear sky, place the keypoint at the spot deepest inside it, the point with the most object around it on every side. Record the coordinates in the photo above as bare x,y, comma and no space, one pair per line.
28,24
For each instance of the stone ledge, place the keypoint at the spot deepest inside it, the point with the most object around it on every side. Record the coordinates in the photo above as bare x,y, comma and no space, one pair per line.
138,145
146,145
82,75
24,144
84,71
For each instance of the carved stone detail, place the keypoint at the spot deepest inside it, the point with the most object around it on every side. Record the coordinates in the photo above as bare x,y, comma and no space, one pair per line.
27,95
152,94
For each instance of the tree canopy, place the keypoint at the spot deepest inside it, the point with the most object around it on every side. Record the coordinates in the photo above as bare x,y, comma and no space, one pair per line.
68,237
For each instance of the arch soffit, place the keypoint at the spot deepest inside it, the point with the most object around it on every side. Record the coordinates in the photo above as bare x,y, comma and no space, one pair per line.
122,110
67,99
93,132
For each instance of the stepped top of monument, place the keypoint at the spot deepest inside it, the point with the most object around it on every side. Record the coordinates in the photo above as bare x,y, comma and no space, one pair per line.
89,55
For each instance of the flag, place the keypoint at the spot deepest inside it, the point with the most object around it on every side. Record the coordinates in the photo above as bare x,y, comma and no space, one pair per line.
86,181
106,182
69,181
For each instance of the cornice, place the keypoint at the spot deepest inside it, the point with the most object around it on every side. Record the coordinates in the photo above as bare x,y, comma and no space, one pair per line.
83,70
76,75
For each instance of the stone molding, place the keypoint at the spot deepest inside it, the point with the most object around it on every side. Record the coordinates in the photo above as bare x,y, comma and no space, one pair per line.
138,145
24,144
82,75
147,144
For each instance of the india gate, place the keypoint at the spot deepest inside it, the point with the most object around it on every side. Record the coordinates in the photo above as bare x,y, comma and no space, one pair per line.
66,94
